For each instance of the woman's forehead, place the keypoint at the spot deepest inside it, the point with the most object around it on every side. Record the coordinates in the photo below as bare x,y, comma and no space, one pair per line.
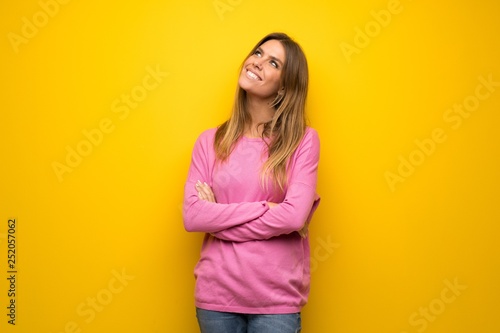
274,48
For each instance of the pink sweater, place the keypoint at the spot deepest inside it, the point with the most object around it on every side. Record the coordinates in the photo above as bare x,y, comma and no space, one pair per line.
252,260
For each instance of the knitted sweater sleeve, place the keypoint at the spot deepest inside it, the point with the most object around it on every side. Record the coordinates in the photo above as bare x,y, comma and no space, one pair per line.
301,199
203,216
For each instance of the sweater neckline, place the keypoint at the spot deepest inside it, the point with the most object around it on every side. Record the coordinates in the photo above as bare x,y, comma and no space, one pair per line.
246,138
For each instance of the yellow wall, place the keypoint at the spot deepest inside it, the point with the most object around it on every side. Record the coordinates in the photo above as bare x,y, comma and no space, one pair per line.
406,236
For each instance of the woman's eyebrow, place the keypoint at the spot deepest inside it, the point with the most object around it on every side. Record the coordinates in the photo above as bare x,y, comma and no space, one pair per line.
270,56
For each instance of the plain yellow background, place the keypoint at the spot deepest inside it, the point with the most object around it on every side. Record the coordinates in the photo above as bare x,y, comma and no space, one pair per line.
100,244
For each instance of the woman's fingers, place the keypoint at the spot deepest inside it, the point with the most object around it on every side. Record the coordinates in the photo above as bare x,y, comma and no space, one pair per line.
272,204
205,192
304,231
210,195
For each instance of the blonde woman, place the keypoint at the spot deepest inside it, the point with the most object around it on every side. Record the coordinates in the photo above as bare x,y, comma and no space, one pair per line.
251,188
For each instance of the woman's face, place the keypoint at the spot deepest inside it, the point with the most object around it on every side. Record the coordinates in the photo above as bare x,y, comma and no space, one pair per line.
261,73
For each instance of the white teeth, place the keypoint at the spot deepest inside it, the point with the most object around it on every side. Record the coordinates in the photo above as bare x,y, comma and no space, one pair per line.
252,75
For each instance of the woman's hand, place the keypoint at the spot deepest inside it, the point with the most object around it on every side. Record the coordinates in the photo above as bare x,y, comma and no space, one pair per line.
271,204
304,231
205,192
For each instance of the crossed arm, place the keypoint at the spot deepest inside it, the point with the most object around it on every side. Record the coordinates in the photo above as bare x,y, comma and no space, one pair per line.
241,222
258,229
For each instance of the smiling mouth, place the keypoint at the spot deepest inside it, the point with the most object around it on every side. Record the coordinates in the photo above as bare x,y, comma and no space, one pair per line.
253,76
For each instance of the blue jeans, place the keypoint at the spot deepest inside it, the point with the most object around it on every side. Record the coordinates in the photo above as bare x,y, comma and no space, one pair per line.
228,322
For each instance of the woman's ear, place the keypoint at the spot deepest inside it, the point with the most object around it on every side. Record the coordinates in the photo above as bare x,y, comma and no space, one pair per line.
279,97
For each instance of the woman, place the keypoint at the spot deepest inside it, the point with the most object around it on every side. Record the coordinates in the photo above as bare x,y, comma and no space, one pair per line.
251,188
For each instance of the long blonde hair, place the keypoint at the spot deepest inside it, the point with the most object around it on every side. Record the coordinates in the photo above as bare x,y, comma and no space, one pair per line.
288,125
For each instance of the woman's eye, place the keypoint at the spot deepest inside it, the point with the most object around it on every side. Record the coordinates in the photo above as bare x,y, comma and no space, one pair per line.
258,53
274,64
